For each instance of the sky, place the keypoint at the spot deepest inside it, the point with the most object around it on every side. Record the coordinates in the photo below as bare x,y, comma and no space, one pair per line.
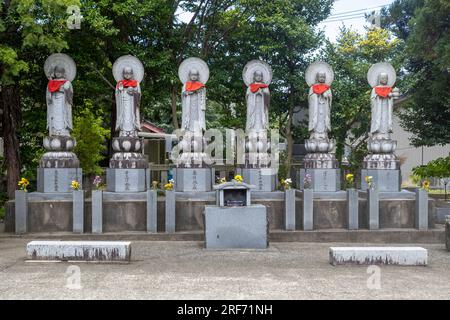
351,14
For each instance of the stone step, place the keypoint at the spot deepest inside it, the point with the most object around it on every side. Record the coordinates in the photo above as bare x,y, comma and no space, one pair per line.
405,256
79,250
330,235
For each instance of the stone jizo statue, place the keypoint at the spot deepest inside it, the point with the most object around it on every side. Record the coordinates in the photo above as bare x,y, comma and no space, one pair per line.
382,78
60,70
319,77
257,75
128,97
128,71
193,73
319,98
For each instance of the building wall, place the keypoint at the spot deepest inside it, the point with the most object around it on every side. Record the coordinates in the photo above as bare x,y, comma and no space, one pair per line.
411,156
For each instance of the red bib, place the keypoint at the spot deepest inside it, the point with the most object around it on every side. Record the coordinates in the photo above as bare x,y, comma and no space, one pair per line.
254,87
55,85
127,83
194,86
383,91
320,88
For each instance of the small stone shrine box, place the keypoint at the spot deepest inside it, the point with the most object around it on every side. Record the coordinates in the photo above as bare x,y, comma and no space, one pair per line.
234,223
233,194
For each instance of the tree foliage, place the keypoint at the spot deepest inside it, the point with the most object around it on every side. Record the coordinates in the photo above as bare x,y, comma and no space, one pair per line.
91,136
424,26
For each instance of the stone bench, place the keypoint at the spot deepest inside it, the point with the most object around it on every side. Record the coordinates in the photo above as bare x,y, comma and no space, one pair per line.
405,256
79,250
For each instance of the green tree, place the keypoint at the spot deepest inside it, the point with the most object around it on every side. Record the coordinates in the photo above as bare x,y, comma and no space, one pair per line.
424,25
29,30
91,136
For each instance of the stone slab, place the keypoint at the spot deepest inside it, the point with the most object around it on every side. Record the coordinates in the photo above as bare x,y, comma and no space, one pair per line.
373,209
97,211
289,210
384,180
405,256
353,209
170,218
308,209
127,180
78,211
421,209
264,179
21,212
236,227
58,179
447,233
79,250
441,213
322,180
152,211
193,179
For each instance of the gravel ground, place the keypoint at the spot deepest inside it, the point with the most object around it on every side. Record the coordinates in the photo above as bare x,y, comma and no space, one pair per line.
184,270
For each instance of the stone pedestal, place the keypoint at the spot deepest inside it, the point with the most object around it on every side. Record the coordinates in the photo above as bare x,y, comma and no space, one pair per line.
127,180
244,227
193,179
322,180
57,179
264,179
59,166
385,180
128,169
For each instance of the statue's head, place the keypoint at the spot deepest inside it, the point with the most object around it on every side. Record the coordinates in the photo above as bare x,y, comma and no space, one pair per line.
128,73
321,77
59,72
258,76
194,75
383,79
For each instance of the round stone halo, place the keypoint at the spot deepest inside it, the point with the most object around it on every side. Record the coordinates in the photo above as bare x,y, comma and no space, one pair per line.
257,65
61,60
316,67
378,68
128,61
193,63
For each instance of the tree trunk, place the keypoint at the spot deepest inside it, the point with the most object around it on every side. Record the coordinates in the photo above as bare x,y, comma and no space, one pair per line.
289,142
12,115
173,101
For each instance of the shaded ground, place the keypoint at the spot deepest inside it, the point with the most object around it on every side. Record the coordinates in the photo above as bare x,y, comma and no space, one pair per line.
183,270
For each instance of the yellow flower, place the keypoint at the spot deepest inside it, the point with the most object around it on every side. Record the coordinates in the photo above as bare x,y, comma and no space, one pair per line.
168,186
426,185
349,177
238,178
75,185
23,184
